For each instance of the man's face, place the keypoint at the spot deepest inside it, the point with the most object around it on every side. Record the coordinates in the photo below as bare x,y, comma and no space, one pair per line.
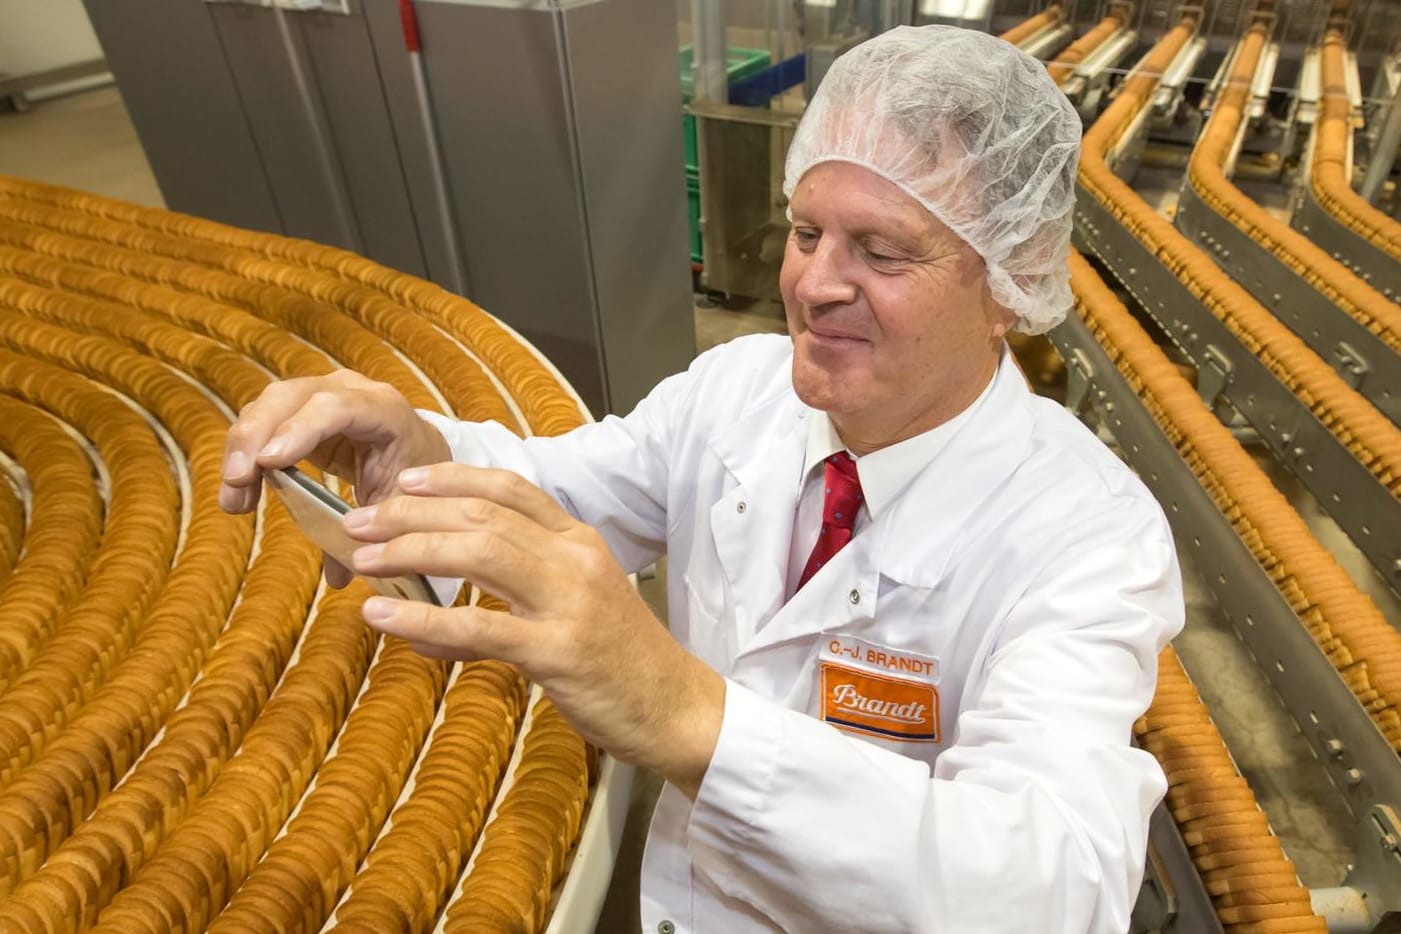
894,330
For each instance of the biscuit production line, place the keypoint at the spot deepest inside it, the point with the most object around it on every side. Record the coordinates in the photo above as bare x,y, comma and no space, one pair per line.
197,733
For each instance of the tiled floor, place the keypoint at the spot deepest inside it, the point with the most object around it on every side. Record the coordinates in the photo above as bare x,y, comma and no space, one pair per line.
87,142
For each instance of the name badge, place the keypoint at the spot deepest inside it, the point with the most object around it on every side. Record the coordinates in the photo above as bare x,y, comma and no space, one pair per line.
872,690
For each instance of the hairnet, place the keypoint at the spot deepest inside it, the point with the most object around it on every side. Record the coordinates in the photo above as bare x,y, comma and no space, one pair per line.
975,130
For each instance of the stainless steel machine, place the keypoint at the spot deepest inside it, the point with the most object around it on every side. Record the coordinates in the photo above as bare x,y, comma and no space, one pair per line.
524,153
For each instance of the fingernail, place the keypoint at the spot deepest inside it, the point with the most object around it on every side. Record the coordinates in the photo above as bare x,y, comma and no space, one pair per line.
367,555
379,609
414,476
237,465
274,447
359,518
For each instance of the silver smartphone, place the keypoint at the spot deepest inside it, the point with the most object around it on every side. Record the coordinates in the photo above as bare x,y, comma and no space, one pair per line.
319,514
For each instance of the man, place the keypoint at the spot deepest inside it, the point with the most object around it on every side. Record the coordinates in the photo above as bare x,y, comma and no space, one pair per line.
914,609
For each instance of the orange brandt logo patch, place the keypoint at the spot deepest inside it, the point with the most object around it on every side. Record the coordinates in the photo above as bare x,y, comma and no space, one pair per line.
860,701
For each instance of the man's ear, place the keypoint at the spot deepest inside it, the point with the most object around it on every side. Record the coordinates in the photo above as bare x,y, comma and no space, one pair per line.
1000,318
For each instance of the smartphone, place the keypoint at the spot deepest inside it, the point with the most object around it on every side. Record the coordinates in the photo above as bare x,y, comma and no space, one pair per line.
319,514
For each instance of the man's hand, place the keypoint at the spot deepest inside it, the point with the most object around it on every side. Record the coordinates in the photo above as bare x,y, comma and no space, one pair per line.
576,625
344,423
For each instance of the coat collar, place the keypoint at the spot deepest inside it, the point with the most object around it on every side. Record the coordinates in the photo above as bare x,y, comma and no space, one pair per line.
910,544
944,500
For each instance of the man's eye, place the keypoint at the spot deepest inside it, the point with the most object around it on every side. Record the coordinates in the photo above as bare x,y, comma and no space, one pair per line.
880,253
804,237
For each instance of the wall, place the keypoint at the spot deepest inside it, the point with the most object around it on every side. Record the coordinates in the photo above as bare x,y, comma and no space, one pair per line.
37,35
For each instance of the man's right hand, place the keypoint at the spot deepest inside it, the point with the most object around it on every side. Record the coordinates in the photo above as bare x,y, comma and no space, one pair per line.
350,426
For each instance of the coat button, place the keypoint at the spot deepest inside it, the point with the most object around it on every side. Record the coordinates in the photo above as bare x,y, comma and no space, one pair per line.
854,597
666,927
739,509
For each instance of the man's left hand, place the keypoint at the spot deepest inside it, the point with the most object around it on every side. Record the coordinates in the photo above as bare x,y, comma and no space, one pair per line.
576,625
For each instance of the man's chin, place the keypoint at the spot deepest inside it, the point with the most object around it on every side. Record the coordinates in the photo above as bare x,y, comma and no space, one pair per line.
822,389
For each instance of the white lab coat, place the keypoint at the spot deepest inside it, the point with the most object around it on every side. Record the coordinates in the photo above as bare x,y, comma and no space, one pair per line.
1027,560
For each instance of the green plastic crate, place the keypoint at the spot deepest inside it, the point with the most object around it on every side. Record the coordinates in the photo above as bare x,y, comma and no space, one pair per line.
741,64
693,202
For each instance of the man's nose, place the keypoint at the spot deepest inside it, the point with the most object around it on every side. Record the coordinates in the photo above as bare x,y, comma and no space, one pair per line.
825,279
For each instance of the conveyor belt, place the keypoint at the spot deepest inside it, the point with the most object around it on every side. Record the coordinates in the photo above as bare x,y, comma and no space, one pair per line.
1340,316
171,751
1064,64
1029,26
1344,623
1345,627
1370,241
1253,886
1342,448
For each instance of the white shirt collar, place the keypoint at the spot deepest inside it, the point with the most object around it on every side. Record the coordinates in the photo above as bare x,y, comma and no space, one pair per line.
884,474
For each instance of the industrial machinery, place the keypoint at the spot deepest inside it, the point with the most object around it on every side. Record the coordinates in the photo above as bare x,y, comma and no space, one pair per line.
1236,336
474,143
1237,122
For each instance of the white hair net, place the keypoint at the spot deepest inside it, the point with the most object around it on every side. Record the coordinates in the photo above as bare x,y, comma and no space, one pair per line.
975,130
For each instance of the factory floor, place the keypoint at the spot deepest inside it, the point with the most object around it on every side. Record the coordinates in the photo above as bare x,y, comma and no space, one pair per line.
86,141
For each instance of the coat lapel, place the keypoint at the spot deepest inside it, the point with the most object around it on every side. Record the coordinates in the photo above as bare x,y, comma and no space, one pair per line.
752,523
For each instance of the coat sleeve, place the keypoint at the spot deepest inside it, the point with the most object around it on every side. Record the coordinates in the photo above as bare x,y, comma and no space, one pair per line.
1035,819
613,474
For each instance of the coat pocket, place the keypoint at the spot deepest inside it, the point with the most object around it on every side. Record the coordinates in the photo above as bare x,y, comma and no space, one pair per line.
708,634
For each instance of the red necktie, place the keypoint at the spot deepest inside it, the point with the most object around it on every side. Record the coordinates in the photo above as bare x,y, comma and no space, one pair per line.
841,498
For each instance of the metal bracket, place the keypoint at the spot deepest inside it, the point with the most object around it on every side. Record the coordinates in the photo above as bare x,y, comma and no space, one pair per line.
1214,375
1156,908
1172,896
1080,377
1350,364
1377,873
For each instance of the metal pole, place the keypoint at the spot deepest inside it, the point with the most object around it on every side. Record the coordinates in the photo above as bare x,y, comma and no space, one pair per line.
708,49
1384,152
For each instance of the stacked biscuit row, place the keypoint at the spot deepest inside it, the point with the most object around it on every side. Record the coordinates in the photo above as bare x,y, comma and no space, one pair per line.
1329,176
1366,305
220,747
1032,25
1253,886
97,689
1365,432
68,514
551,781
417,861
1347,626
1064,64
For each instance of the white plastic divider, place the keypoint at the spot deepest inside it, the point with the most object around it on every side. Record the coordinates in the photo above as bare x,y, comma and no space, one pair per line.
18,479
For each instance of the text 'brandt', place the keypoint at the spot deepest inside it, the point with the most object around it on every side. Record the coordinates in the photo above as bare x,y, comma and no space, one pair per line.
848,697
